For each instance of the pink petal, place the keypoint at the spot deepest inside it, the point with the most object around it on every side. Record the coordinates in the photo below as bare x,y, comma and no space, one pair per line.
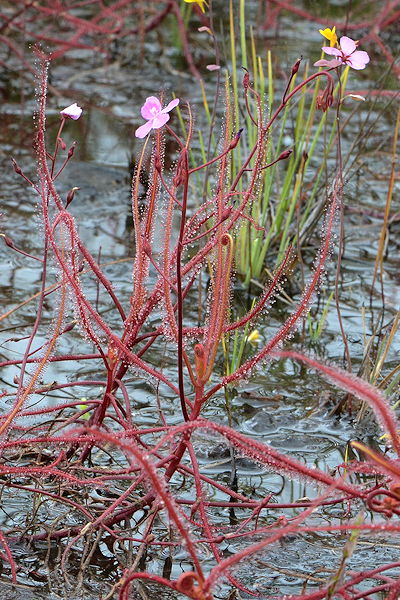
171,105
331,51
213,67
347,45
328,63
358,59
150,108
143,130
160,120
73,111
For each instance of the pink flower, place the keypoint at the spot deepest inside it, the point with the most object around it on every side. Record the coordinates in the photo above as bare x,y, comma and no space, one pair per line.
213,67
332,64
357,59
155,115
73,111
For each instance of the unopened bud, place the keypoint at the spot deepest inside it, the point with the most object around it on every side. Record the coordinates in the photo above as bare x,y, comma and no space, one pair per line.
246,78
70,195
285,154
181,169
325,100
8,241
71,151
296,66
69,327
63,145
236,139
17,168
356,97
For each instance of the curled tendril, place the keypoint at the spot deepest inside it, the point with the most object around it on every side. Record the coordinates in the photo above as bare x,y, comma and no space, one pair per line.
390,504
226,240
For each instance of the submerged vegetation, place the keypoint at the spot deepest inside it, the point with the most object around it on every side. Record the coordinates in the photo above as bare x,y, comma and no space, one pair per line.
208,210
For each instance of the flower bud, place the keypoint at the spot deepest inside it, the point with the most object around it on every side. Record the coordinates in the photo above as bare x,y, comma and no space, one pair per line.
71,151
236,139
8,241
70,195
285,154
17,168
69,327
296,66
246,78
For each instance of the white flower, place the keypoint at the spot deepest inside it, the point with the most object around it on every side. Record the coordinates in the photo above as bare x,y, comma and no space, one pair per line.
73,111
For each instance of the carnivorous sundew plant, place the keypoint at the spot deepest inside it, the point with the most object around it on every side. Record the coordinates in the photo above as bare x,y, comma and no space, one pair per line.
99,481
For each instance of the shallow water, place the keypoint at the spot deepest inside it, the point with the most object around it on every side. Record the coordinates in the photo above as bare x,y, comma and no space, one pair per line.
284,405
